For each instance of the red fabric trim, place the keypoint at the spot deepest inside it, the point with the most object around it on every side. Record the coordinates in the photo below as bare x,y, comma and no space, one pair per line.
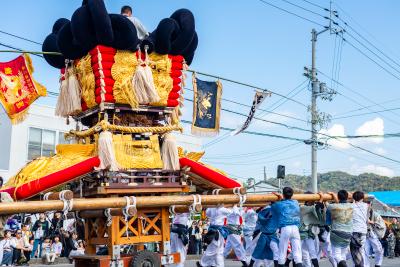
106,72
177,81
173,95
176,88
172,103
104,58
108,98
103,49
109,90
55,179
175,73
108,82
106,65
208,174
177,58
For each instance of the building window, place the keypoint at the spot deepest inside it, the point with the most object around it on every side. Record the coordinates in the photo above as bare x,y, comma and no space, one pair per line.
62,140
41,143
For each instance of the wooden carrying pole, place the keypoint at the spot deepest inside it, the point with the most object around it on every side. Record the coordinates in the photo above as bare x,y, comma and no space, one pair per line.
228,191
65,194
184,209
86,214
146,202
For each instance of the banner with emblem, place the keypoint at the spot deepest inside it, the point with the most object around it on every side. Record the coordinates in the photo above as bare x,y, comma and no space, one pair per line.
18,89
206,107
258,99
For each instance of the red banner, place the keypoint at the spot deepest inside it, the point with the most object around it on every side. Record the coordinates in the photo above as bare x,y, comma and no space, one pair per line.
18,89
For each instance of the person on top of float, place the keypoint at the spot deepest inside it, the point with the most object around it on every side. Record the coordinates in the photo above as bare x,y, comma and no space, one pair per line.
141,30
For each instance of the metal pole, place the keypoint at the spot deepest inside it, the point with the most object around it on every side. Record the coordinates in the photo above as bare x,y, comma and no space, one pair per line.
314,91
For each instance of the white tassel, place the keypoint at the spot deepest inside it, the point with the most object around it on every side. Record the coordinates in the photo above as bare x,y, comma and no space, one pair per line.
63,96
169,153
139,85
69,100
143,83
106,152
151,88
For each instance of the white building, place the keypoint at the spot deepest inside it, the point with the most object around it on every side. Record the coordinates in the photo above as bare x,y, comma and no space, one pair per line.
39,134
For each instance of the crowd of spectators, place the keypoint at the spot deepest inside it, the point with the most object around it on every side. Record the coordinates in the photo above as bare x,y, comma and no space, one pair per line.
47,236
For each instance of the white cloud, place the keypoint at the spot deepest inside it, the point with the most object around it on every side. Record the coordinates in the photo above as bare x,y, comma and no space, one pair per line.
352,159
335,130
373,127
372,168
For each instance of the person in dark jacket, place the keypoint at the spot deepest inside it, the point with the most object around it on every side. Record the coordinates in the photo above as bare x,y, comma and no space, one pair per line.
194,239
56,224
40,229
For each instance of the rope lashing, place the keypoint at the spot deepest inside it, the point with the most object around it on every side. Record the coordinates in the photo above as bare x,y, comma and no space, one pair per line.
172,210
46,196
242,198
196,201
107,213
216,191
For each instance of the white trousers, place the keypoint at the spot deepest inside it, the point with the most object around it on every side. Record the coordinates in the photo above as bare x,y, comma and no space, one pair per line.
340,253
290,233
234,242
267,263
178,247
214,254
326,248
375,244
248,245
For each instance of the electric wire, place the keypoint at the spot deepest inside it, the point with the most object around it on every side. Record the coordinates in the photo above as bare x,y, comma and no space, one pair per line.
365,113
20,37
291,13
245,85
18,49
311,3
305,9
370,106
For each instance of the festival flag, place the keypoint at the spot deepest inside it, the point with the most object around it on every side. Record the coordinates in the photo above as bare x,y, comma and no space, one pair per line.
18,89
258,99
206,107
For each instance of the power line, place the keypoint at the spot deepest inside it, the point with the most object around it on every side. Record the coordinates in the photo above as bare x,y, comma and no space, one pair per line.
255,133
249,106
373,60
374,105
20,37
246,85
361,95
305,9
18,49
313,4
362,114
291,13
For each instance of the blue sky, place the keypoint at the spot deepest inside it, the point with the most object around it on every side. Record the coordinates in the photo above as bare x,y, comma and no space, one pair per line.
255,43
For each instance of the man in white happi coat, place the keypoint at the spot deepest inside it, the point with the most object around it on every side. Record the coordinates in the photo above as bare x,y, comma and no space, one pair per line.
250,222
179,237
214,254
233,241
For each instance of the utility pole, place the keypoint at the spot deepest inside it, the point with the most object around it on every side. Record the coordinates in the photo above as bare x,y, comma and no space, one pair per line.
318,90
314,91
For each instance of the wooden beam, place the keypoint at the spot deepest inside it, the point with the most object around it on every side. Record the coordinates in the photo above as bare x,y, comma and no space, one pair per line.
146,202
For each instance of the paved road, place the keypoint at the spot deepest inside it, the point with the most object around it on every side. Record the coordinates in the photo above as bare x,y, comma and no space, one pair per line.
228,263
324,263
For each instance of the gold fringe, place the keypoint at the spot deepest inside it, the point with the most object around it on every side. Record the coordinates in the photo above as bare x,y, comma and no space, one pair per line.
122,72
41,90
137,154
19,117
86,79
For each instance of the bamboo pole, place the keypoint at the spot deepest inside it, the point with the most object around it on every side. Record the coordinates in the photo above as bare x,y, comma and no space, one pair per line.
145,202
100,213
